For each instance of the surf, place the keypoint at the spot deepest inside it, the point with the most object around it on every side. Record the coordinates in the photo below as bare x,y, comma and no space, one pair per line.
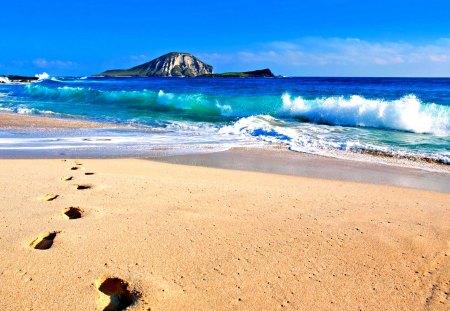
408,113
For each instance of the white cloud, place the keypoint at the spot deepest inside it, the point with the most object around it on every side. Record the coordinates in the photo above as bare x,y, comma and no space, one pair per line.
345,53
323,51
44,63
440,58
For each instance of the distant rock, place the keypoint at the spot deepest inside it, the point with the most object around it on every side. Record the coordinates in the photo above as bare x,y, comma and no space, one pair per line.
17,79
262,73
173,64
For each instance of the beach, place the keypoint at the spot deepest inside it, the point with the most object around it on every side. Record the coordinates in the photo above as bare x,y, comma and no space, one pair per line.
196,238
187,215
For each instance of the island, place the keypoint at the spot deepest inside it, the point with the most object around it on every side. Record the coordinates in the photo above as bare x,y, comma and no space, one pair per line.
178,64
174,64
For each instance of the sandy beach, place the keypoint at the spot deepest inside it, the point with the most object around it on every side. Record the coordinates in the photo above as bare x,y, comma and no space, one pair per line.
194,238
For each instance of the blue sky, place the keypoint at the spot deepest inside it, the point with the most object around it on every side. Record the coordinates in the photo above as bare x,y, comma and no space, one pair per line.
296,38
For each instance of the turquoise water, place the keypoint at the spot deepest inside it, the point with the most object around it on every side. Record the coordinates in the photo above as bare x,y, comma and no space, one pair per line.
394,117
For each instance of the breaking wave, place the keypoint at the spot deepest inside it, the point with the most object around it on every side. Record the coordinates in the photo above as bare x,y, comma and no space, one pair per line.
326,140
42,76
407,113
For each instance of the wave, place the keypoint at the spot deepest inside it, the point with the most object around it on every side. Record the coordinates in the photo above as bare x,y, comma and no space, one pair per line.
28,111
192,102
70,93
42,76
4,80
56,80
68,79
143,101
331,140
407,113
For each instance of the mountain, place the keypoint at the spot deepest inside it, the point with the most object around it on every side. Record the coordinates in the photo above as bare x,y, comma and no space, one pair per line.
262,73
173,64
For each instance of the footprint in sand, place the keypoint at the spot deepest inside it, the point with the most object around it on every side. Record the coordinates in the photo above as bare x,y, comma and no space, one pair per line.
89,173
50,197
44,240
67,178
115,294
73,212
82,187
74,168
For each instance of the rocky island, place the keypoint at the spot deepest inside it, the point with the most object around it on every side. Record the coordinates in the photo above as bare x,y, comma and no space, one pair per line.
177,64
173,64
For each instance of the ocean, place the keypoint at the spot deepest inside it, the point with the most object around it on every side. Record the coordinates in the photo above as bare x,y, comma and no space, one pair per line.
354,118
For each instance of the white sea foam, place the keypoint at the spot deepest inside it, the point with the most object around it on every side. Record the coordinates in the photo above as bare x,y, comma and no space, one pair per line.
407,113
225,110
321,139
42,76
176,138
25,110
4,80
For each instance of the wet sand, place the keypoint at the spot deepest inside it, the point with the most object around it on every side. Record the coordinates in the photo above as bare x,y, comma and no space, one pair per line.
173,237
14,120
308,165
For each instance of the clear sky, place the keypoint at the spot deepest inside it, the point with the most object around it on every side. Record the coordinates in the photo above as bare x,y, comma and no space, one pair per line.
292,37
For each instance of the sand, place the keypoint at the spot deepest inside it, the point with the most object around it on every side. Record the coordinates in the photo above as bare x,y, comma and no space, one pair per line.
173,237
282,161
13,120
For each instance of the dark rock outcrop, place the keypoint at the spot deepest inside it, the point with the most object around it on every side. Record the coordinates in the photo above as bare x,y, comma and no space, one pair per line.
262,73
17,79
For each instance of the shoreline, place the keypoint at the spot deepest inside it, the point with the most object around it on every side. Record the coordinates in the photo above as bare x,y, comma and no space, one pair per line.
274,159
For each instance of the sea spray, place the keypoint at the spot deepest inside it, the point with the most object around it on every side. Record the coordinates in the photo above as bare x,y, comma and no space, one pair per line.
42,76
4,80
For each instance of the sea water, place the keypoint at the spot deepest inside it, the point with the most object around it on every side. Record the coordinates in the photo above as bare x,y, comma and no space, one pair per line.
398,118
